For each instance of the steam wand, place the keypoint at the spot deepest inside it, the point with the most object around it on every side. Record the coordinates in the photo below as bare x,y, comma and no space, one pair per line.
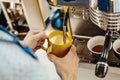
66,17
102,66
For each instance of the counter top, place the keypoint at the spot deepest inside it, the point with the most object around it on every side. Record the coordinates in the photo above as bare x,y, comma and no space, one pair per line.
86,71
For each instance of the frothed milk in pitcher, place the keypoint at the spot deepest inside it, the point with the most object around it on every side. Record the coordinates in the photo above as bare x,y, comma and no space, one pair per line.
58,39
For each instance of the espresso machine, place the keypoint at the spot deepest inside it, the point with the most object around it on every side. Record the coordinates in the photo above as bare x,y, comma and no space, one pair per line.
106,15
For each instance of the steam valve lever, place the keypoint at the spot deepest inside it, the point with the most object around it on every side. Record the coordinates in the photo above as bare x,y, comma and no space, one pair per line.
102,66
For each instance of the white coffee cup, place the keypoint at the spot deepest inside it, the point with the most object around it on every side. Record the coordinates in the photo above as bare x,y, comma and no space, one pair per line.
96,42
116,45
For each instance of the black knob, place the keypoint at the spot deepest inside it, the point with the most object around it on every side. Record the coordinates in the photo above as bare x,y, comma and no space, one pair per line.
101,69
69,0
66,0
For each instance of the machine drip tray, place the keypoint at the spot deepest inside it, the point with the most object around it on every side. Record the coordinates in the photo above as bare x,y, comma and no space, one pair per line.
86,57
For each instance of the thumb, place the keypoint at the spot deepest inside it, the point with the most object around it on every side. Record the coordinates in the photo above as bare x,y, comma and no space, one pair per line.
53,58
72,51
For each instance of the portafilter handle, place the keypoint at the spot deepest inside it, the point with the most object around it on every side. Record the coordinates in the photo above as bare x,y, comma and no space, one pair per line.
101,69
102,66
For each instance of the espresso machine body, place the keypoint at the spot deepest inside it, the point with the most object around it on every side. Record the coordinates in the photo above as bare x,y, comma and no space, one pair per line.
105,14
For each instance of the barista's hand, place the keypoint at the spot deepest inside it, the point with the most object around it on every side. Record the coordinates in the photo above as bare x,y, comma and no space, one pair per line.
67,66
34,39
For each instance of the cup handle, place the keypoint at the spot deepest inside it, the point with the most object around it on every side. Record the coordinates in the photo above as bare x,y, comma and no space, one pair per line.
45,48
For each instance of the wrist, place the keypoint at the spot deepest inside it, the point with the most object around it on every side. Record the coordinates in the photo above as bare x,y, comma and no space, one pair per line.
69,77
24,43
